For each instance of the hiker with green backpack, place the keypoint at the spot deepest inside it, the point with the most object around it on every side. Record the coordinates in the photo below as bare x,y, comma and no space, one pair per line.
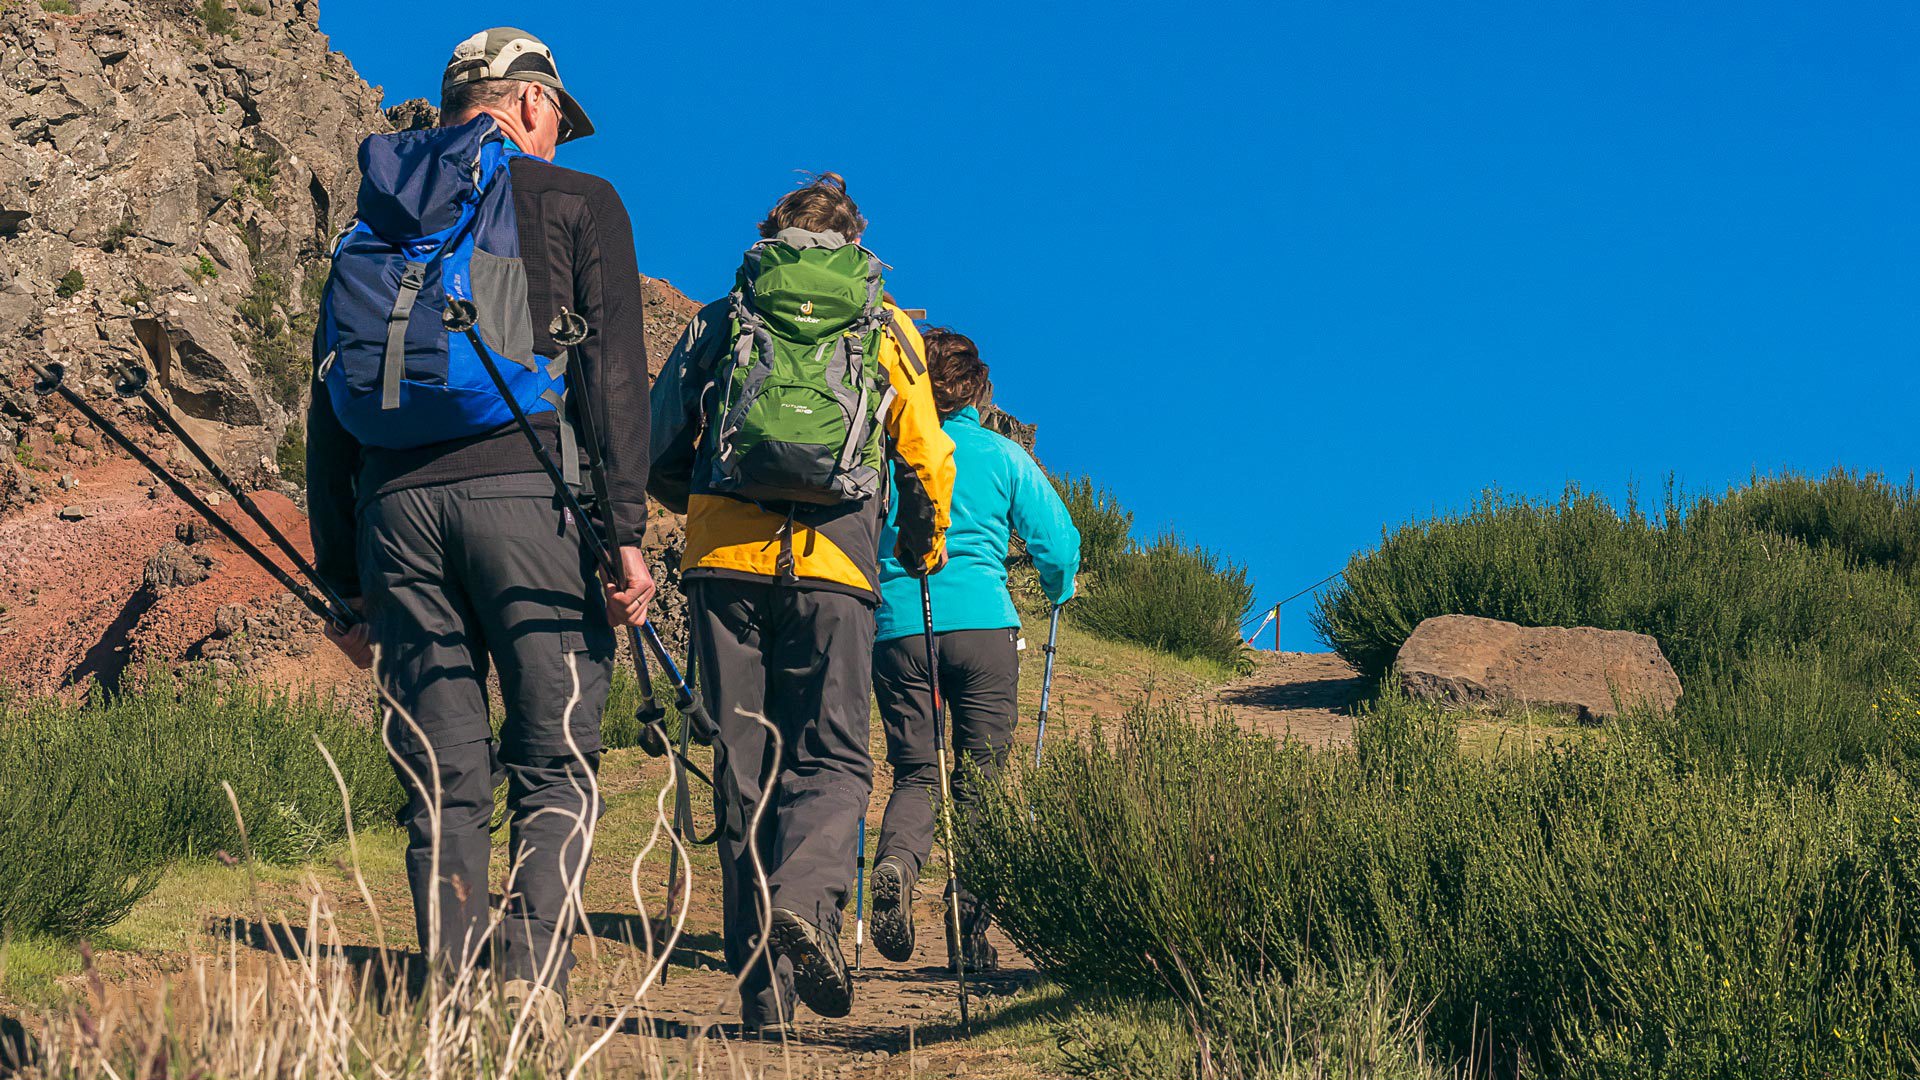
1002,491
774,421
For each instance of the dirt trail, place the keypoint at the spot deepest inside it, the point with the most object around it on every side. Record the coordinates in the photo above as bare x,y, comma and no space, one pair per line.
902,1023
1306,695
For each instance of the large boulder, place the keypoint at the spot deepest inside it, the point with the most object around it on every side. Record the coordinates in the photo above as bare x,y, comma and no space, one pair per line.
1468,662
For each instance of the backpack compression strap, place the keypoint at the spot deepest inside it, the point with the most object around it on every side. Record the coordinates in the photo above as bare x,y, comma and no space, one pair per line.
569,443
393,365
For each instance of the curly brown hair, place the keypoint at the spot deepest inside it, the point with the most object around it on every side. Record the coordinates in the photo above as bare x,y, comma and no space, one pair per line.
960,377
823,205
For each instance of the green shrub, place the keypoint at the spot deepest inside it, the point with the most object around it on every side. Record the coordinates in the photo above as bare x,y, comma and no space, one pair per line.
1860,515
1270,1028
291,454
1781,646
1169,596
100,794
59,7
70,284
216,18
1105,527
257,170
1587,909
204,271
281,351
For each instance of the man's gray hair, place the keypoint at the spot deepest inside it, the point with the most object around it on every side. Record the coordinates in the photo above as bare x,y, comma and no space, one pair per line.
461,99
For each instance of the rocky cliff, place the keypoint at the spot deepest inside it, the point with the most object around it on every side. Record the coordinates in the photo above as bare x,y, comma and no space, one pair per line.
171,174
169,177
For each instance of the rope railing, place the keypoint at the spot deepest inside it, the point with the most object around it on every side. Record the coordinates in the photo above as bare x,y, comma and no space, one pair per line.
1271,614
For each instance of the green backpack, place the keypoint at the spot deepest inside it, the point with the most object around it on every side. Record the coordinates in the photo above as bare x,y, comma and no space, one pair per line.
800,405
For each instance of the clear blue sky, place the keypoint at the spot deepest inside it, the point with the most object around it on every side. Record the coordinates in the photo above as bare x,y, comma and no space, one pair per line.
1285,274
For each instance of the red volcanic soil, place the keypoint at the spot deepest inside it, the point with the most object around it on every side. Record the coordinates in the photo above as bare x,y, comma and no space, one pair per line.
75,607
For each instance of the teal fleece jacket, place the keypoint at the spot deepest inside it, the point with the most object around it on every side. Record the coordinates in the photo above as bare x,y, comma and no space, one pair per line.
999,490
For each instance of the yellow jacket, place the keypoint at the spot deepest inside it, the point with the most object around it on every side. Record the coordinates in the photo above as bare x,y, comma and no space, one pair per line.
831,547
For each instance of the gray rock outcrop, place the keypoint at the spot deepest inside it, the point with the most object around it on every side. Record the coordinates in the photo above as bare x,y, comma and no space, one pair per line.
168,184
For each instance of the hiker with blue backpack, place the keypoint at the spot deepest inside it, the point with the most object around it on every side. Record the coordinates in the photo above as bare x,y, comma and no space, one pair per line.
431,508
1001,492
775,418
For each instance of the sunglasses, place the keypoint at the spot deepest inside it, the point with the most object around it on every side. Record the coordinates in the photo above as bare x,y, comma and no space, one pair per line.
553,100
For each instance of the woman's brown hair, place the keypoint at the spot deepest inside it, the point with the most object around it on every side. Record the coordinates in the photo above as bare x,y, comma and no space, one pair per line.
823,205
959,375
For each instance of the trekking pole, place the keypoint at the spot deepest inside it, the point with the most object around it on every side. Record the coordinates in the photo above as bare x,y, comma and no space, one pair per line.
569,329
946,798
462,318
133,384
860,895
51,379
1046,683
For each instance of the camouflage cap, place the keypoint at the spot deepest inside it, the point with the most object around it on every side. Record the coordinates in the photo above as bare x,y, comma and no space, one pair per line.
507,53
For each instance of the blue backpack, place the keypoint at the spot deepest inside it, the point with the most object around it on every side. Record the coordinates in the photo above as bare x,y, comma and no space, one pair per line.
435,222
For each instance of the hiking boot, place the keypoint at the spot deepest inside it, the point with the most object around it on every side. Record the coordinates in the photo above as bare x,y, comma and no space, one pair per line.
819,972
974,920
765,1030
548,1017
892,910
761,1015
981,955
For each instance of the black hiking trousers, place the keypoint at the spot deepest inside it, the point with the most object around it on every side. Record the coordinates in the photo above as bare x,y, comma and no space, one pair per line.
979,684
799,657
460,578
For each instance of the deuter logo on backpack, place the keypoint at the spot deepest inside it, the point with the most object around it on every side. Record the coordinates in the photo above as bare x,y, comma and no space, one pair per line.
803,393
435,222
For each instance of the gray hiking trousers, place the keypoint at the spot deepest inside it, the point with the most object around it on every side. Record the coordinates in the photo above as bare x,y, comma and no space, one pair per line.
800,657
461,578
979,684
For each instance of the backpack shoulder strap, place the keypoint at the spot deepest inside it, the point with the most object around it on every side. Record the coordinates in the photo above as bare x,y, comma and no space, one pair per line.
906,344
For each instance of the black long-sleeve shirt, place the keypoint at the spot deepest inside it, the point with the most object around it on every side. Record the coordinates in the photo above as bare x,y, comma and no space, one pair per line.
576,242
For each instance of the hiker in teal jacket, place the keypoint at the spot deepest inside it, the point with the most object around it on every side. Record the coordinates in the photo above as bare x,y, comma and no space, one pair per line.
1000,490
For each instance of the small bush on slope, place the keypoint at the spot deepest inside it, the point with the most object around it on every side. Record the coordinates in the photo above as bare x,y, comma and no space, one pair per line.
1106,527
1171,597
99,795
1861,515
